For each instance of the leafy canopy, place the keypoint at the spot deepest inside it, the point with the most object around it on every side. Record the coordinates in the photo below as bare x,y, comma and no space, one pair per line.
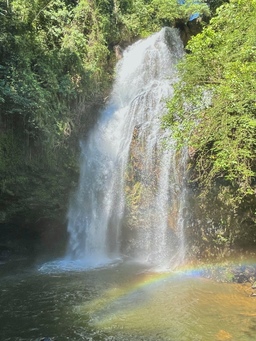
214,107
56,63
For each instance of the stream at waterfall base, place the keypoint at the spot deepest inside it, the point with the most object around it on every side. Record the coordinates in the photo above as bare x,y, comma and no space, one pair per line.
121,302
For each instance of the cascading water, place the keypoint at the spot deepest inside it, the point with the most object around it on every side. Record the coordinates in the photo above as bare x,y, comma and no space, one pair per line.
130,197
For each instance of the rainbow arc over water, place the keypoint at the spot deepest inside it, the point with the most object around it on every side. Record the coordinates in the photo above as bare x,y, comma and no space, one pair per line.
150,282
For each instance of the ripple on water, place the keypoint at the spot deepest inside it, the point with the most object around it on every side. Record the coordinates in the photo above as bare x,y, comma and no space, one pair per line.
124,303
68,265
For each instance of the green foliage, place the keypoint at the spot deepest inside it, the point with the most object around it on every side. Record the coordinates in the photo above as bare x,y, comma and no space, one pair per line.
146,17
56,64
40,84
214,4
214,108
170,10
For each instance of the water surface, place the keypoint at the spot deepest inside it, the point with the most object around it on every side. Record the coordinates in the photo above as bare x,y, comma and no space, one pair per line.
122,302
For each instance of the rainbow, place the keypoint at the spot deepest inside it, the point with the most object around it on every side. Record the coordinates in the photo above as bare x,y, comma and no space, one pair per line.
154,280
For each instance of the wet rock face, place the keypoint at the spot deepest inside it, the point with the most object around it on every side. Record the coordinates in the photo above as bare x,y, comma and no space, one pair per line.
5,254
243,274
189,29
118,52
52,236
46,237
15,242
232,273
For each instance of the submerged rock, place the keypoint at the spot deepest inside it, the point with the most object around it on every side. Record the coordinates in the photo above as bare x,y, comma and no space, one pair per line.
231,273
244,273
254,285
223,335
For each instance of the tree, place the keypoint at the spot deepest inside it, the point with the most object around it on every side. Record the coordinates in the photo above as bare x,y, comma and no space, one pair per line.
213,113
214,109
56,64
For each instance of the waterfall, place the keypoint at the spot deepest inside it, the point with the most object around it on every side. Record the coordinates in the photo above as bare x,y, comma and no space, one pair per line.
130,198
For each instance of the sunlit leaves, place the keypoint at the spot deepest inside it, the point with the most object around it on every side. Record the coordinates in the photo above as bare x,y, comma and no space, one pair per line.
170,10
221,68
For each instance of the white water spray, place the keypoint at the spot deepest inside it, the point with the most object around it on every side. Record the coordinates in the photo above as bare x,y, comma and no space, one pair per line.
130,198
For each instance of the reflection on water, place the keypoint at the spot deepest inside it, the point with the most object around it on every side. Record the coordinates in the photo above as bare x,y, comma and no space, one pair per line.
123,302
